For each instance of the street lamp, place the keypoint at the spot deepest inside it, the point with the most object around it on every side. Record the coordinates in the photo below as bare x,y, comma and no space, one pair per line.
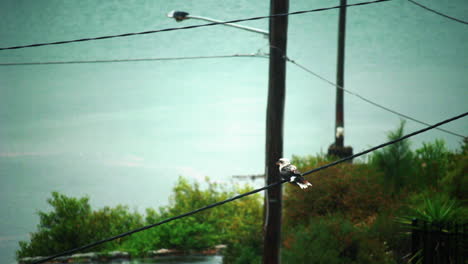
274,119
181,15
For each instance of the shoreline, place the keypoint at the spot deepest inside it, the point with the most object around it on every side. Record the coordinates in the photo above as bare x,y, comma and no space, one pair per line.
123,255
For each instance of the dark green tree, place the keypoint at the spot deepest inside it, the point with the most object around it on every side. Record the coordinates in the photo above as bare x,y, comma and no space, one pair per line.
61,229
432,161
72,223
334,240
396,162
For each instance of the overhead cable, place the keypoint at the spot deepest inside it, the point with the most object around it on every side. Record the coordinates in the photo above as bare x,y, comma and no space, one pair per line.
385,144
370,101
132,60
251,55
189,27
438,13
71,251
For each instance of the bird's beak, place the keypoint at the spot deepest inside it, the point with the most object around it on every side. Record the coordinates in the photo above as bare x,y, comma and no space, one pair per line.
277,163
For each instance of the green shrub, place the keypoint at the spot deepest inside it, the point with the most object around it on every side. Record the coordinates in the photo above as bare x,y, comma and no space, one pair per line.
386,229
72,223
455,182
332,239
437,209
139,244
432,161
396,162
396,183
63,228
328,223
352,190
226,224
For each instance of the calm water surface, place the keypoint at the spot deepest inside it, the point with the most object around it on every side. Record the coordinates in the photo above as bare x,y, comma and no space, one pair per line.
167,260
122,133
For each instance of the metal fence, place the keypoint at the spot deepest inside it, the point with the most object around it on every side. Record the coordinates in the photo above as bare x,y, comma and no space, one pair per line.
439,244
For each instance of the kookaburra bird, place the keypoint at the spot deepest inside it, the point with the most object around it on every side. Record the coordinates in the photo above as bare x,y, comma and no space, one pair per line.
290,172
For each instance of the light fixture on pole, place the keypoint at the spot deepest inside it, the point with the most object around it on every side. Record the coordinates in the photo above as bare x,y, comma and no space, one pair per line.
181,15
274,119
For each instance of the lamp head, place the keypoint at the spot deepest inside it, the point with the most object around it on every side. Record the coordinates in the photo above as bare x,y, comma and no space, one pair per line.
178,15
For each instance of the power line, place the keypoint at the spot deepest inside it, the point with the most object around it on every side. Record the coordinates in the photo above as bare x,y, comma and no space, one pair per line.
189,27
133,60
438,13
251,55
370,101
386,144
68,252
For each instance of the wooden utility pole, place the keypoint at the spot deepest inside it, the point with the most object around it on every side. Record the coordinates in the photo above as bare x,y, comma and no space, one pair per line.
337,148
339,137
274,130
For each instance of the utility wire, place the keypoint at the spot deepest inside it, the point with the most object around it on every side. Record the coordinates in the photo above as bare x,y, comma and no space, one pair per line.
385,144
133,60
189,27
68,252
251,55
438,13
370,101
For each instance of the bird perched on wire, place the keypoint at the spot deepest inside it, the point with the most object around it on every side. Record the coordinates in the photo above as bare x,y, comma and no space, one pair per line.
290,172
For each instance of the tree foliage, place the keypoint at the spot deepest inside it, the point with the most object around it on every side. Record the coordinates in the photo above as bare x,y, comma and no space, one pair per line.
328,223
455,182
348,189
433,161
335,240
65,225
347,216
396,162
354,211
72,223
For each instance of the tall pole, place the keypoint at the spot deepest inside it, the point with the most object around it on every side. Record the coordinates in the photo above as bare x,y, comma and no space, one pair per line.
338,149
339,124
274,129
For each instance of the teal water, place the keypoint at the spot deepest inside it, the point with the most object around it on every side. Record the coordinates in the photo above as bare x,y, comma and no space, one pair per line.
122,133
168,260
184,260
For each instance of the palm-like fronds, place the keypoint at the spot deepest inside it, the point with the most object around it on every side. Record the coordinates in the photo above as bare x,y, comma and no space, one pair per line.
437,211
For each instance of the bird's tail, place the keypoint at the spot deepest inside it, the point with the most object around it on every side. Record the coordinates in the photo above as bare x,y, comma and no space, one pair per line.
304,184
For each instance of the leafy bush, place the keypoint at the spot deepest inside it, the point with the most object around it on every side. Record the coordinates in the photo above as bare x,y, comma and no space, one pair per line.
346,217
455,182
237,224
332,239
60,229
225,224
386,229
439,198
396,162
432,160
139,244
337,210
72,223
437,209
352,190
358,203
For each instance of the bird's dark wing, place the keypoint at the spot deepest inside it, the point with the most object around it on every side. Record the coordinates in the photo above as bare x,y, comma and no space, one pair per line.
290,170
285,172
